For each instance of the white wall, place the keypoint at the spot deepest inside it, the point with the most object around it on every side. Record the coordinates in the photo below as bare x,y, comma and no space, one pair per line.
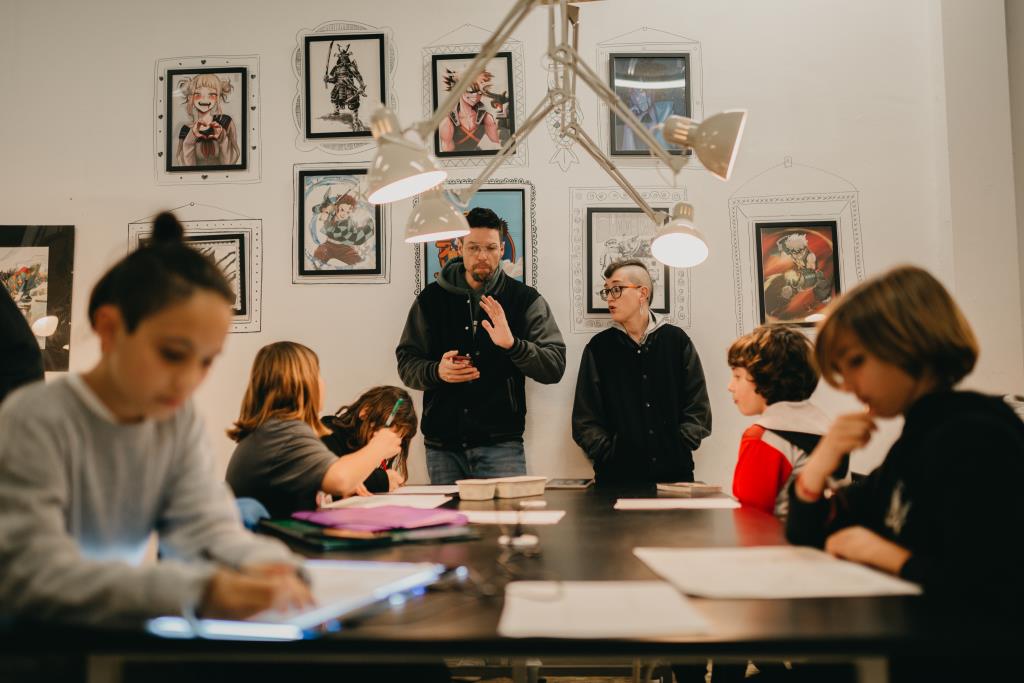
855,88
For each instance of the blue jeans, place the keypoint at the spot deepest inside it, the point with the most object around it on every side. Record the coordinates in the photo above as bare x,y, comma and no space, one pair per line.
504,459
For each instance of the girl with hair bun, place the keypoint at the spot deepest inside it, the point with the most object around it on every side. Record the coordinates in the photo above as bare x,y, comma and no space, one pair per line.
92,464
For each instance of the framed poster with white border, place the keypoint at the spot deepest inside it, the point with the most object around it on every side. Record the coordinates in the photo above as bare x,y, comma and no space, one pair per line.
236,246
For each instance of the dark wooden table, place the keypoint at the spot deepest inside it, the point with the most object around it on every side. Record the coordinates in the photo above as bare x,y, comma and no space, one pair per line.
593,542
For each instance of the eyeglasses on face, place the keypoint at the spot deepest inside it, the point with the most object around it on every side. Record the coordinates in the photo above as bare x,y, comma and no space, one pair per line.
614,292
474,249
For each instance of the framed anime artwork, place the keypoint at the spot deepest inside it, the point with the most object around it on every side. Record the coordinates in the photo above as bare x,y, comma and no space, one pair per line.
797,269
207,119
345,80
484,117
236,247
339,236
512,200
614,234
36,270
653,86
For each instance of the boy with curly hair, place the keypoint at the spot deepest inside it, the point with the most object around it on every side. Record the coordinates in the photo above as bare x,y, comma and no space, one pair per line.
773,376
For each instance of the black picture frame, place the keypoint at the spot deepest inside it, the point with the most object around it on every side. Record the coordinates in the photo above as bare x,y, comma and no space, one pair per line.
808,285
305,247
504,115
623,68
178,123
641,250
313,107
59,242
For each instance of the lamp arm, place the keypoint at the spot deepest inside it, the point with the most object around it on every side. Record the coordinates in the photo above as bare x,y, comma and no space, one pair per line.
543,108
585,141
487,51
619,108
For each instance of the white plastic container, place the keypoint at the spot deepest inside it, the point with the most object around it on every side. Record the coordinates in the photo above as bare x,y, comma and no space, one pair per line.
476,489
520,487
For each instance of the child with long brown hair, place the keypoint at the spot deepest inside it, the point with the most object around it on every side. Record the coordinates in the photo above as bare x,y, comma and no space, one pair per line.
353,426
280,460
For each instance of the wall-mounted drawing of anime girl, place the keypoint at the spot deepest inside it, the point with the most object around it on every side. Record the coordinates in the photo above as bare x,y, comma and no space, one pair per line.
210,137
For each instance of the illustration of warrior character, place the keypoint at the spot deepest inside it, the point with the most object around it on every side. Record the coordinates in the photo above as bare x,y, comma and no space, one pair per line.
211,139
469,122
802,288
345,238
348,89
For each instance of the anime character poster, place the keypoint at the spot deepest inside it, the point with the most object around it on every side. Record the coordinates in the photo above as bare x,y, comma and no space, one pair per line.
484,117
206,111
36,271
510,205
339,230
797,269
653,87
615,234
344,83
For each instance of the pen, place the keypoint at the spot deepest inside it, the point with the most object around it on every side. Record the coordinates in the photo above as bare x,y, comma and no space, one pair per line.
387,423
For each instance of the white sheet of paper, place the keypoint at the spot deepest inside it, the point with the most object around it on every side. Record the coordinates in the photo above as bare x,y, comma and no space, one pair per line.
440,489
597,609
723,503
768,572
514,516
410,501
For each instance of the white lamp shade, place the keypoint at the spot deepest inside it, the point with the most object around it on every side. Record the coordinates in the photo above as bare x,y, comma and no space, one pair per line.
678,242
716,140
435,218
402,167
45,326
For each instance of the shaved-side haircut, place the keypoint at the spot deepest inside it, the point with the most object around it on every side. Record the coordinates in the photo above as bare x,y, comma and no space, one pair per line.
635,271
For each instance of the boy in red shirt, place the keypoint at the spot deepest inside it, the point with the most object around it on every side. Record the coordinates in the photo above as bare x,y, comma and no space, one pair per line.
773,375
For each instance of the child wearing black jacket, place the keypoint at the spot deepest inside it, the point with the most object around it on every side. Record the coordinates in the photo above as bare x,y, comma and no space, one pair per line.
900,344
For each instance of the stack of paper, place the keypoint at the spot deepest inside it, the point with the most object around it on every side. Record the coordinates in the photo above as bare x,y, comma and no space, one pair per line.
411,500
597,609
768,572
439,489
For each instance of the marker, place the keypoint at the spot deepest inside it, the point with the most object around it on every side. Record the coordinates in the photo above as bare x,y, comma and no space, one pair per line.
387,423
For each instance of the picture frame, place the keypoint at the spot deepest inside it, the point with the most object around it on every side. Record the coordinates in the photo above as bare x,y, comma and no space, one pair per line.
236,246
344,80
513,199
339,237
617,233
492,99
37,264
207,115
654,86
797,270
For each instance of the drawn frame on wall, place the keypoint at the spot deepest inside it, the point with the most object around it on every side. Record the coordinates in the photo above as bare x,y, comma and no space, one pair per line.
319,259
27,243
821,239
514,200
677,98
178,124
242,105
661,297
236,246
581,199
517,93
503,112
370,47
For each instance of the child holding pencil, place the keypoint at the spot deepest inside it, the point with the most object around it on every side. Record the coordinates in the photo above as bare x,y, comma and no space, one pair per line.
92,464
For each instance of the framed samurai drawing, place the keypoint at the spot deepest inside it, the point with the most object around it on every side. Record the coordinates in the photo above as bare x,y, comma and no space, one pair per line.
614,234
484,117
339,235
797,270
36,270
653,86
344,83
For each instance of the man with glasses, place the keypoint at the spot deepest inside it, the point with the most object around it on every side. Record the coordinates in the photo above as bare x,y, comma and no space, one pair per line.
641,405
471,339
